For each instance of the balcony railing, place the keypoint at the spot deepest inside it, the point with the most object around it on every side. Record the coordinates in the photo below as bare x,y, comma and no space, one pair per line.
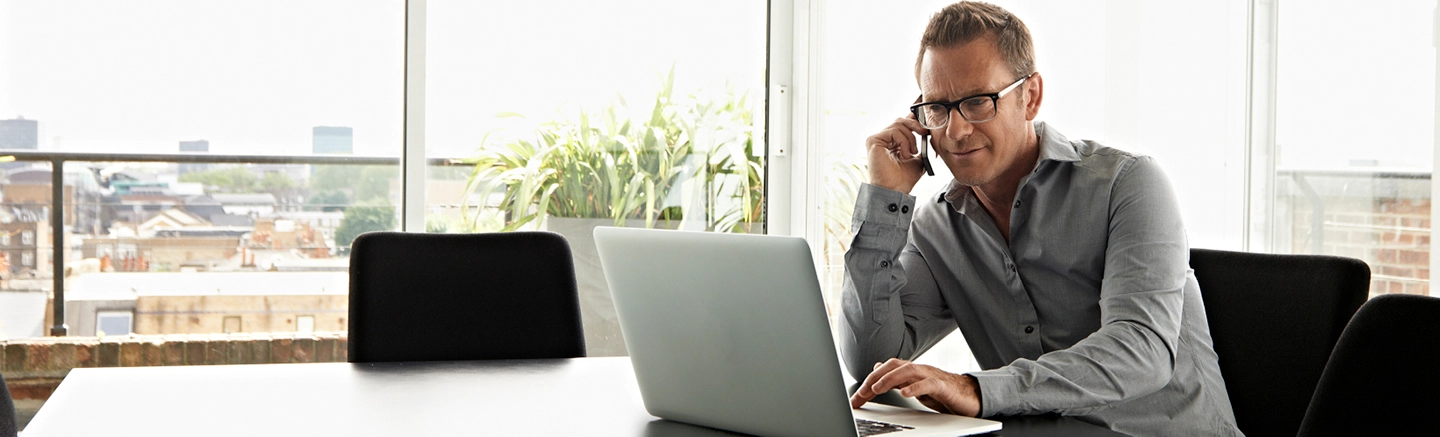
57,161
1302,177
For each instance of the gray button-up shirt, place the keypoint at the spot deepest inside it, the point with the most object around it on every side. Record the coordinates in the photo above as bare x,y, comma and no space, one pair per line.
1091,310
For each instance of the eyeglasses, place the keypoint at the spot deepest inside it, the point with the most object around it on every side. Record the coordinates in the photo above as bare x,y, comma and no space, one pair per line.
978,108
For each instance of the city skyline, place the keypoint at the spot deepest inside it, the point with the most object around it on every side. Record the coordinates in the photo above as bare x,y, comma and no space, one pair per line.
19,133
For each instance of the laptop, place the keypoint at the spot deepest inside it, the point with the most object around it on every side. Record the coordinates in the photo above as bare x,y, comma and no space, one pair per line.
729,331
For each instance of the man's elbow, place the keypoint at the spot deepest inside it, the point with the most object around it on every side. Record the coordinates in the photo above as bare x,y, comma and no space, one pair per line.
853,354
1155,360
859,360
1153,379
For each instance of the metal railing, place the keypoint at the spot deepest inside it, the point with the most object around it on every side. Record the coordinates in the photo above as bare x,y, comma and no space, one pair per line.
1316,238
57,193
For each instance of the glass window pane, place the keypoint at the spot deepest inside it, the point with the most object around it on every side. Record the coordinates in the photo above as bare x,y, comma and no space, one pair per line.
667,95
113,322
24,283
271,132
1355,136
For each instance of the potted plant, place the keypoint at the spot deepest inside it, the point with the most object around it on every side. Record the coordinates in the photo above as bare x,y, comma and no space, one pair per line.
691,163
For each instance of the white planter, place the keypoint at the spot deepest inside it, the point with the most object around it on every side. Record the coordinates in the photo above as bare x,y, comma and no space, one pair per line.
597,309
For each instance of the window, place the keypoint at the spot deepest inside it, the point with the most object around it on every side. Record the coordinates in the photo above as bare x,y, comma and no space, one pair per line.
304,100
328,130
231,324
305,324
5,239
670,95
114,322
1340,185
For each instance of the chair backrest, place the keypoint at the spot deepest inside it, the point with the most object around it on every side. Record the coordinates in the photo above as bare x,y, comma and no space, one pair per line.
1274,320
1384,376
431,297
8,425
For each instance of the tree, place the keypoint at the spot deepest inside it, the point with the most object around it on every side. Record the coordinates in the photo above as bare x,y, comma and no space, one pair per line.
328,201
362,182
275,181
374,182
364,216
335,177
229,180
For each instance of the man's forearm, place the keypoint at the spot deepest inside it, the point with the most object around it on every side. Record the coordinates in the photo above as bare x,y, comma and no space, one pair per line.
1122,361
875,327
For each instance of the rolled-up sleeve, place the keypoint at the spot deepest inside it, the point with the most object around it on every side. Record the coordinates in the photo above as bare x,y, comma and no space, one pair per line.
1141,300
892,307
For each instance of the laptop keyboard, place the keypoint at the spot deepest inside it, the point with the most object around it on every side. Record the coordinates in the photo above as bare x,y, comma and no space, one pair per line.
871,427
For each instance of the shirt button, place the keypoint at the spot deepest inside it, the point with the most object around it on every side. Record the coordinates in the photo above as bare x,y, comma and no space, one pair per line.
892,207
1017,204
905,209
1029,329
884,264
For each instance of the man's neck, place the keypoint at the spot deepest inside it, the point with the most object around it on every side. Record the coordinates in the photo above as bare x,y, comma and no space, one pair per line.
998,195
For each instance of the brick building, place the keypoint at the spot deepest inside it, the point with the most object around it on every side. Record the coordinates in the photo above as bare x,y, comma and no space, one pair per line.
1380,217
207,302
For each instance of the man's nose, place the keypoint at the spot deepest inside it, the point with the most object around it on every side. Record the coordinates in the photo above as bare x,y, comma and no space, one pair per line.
959,127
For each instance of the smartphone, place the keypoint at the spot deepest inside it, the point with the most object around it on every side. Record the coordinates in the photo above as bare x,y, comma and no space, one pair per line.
925,146
925,154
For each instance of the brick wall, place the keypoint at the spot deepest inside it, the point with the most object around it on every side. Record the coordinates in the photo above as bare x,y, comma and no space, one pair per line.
164,314
1384,222
33,368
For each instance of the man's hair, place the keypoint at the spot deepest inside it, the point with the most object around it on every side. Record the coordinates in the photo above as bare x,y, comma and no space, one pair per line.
966,21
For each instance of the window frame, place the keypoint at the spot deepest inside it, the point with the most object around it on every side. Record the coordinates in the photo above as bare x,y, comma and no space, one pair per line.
129,318
782,180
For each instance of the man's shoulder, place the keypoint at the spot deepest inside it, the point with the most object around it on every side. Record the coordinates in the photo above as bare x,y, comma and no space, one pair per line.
1096,155
1085,154
1091,165
1108,163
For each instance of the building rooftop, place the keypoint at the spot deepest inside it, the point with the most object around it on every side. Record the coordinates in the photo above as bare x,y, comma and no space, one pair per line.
312,265
125,286
245,199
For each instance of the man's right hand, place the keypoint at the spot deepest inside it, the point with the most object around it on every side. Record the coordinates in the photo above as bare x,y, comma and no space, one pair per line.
893,154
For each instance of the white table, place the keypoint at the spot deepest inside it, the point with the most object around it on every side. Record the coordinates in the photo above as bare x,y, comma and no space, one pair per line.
581,396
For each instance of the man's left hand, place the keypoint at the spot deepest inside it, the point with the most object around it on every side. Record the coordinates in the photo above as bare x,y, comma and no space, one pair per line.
940,390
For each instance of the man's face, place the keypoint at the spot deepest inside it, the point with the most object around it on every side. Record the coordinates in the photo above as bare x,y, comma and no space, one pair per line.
977,153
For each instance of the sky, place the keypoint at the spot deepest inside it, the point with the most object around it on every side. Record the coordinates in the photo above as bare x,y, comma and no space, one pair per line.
250,77
253,77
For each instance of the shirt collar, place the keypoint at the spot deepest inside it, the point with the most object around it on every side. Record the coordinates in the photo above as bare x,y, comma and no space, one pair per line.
1053,147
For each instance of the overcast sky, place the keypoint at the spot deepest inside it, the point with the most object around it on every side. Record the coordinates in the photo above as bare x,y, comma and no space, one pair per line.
256,76
253,77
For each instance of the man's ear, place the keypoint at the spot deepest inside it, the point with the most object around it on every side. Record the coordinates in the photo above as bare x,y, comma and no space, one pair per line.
1034,93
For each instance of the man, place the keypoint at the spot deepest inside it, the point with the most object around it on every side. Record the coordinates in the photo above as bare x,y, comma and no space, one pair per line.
1064,263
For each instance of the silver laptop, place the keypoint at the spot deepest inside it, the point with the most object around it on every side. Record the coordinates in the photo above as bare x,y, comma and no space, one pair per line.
729,331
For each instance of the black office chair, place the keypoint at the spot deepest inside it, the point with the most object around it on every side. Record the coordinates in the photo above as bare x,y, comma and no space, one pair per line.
1384,376
8,422
431,297
1274,320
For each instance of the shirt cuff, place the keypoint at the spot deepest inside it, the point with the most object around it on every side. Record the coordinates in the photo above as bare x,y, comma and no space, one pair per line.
884,206
999,391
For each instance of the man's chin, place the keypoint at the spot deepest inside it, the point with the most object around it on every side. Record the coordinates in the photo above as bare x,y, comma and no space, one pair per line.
971,179
971,173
